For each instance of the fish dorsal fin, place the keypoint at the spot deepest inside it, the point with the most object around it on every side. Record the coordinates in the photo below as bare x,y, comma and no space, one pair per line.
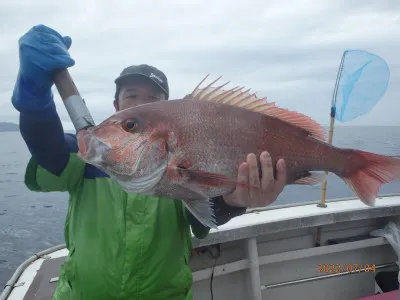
239,97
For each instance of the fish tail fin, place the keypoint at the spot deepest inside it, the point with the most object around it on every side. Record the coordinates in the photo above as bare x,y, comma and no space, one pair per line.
376,170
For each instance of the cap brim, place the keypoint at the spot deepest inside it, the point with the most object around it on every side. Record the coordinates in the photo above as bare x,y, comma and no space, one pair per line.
121,78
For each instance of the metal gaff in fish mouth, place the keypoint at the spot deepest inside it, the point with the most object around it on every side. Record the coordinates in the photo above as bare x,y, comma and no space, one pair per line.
74,103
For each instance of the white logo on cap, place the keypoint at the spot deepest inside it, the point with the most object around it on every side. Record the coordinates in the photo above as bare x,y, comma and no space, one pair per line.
152,75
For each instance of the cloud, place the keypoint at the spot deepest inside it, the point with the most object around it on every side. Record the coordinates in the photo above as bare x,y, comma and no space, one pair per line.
288,51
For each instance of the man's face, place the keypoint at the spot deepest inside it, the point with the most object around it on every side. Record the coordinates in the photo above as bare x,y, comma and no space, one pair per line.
137,91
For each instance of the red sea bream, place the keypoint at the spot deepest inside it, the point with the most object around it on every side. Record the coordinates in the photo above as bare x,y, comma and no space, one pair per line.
191,148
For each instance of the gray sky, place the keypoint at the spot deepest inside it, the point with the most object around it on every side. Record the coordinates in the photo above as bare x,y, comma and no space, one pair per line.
286,50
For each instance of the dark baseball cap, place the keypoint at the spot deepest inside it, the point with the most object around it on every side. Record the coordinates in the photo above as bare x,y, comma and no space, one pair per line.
150,72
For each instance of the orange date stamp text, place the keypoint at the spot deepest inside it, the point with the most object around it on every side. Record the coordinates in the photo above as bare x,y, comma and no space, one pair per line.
346,268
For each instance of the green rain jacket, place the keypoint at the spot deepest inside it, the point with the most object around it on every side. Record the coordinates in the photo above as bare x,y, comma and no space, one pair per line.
121,246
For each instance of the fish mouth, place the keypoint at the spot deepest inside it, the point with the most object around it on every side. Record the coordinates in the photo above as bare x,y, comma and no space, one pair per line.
91,148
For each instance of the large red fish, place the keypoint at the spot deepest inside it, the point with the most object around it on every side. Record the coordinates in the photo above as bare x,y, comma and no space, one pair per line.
191,148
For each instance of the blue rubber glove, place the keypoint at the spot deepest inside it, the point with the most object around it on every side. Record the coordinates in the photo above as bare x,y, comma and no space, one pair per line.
42,50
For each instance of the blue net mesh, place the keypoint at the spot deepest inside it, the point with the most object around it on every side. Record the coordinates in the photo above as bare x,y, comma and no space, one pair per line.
362,83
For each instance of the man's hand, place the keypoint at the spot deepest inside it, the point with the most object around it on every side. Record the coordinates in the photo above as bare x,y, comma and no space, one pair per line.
269,188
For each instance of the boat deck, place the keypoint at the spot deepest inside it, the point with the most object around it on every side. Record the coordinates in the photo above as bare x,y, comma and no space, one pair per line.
45,281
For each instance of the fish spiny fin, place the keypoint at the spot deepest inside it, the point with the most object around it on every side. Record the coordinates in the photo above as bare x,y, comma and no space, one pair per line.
244,99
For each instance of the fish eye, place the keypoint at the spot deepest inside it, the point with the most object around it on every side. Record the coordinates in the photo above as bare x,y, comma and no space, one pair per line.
129,125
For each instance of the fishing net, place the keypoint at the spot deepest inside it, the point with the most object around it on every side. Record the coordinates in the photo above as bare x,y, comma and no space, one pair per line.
363,79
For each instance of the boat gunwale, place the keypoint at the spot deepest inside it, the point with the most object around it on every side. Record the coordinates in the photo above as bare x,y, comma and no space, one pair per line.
316,202
10,285
351,209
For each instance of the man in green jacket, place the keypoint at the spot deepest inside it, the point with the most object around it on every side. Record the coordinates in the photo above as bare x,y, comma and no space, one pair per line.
121,246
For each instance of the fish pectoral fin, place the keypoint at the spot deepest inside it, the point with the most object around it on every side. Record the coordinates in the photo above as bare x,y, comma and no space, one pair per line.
311,178
196,201
202,211
210,179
